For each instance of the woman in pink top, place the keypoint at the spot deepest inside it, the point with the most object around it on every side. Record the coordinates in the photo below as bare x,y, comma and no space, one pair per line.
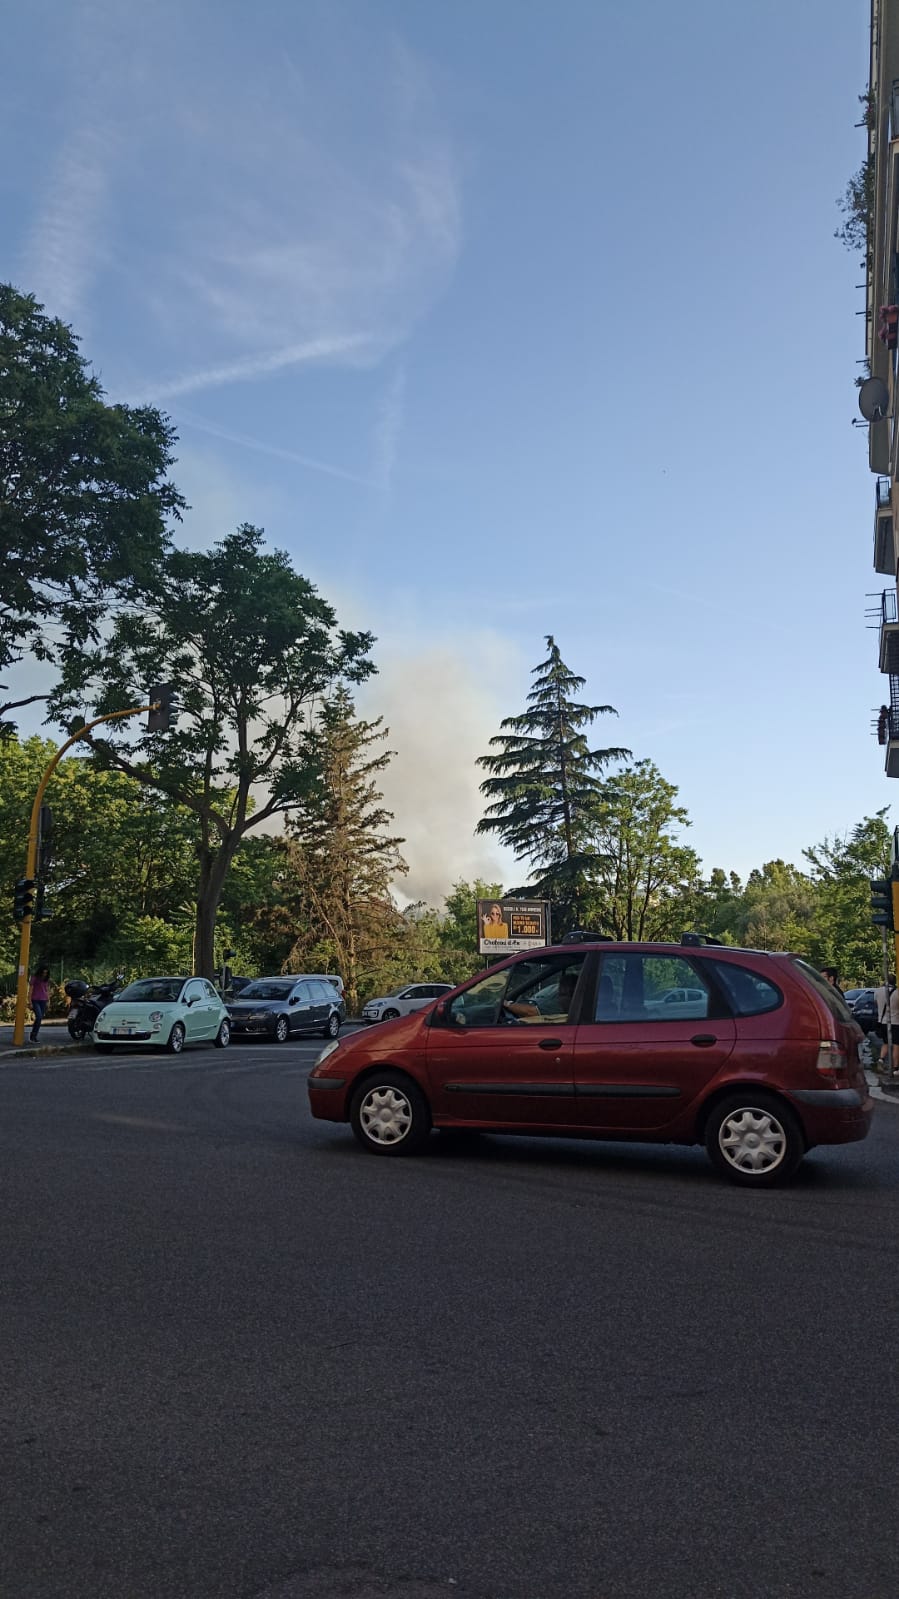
38,995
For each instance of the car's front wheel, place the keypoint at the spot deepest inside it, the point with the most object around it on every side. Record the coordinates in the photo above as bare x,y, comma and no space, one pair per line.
282,1028
176,1039
390,1115
332,1026
754,1139
390,1015
223,1036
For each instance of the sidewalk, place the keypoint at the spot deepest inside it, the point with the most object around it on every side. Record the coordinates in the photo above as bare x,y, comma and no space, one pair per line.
875,1084
53,1038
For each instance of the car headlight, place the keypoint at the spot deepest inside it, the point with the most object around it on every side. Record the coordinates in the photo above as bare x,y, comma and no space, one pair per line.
328,1050
156,1016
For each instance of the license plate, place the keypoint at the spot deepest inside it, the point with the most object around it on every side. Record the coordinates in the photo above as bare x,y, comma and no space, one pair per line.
123,1032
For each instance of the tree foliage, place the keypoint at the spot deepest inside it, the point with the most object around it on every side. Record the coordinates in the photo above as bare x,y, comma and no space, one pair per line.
643,877
545,783
342,854
84,492
252,648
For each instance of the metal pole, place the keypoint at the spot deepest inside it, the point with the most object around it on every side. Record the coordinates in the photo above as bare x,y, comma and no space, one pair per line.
18,1036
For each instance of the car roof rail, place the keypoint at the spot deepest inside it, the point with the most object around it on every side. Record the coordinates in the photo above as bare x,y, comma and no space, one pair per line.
702,938
583,935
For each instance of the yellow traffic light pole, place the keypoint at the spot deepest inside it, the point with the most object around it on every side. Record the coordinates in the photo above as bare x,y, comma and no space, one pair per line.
18,1036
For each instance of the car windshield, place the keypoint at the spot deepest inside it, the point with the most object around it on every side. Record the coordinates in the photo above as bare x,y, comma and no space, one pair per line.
267,990
152,990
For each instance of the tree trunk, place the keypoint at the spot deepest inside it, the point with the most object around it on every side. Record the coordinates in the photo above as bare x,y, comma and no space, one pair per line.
214,865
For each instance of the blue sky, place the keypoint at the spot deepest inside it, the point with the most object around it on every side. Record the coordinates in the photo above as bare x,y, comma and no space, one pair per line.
504,319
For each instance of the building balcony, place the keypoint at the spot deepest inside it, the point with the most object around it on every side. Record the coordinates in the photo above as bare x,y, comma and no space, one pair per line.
888,730
884,543
889,632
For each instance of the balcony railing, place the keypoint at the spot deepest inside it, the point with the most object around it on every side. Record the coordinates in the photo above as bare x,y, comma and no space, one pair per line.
889,606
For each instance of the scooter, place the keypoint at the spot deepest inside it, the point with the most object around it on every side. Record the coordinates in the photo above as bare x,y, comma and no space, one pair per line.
85,1004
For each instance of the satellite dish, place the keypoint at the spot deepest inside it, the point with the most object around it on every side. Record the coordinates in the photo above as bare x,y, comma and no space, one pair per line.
873,399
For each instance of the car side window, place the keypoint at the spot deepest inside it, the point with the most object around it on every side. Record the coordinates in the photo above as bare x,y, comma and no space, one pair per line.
749,994
325,994
210,991
194,991
301,993
650,988
533,991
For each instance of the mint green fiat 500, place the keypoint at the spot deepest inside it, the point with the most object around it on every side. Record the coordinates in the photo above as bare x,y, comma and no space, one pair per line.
165,1013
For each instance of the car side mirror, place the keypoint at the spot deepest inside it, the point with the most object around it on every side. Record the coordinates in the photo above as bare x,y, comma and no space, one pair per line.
438,1016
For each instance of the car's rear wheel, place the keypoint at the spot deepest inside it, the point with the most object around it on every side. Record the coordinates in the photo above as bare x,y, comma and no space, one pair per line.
390,1016
754,1139
223,1036
282,1028
176,1039
332,1027
390,1115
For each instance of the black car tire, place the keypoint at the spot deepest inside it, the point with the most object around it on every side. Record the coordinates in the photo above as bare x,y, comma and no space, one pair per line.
406,1105
332,1026
282,1030
223,1036
755,1125
176,1039
390,1016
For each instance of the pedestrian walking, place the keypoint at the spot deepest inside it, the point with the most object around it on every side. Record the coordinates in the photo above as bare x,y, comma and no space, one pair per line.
38,997
886,998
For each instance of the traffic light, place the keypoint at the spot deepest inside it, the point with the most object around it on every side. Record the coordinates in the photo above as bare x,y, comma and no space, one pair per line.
882,902
162,708
23,898
41,909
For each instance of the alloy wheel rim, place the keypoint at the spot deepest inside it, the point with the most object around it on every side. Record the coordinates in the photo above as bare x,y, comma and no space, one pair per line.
281,1029
333,1026
177,1037
225,1033
386,1115
752,1140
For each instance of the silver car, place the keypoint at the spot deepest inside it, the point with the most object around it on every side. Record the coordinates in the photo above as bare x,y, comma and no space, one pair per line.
415,996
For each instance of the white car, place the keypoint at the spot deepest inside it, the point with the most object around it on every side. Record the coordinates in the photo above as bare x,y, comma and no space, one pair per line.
683,1002
415,996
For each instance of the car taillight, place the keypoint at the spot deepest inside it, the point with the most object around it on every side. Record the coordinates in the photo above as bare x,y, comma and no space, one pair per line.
832,1061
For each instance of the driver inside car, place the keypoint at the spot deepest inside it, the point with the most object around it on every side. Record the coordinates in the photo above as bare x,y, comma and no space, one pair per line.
526,1011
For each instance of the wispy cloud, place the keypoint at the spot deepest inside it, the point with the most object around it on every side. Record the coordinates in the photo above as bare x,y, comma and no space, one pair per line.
388,426
249,367
201,425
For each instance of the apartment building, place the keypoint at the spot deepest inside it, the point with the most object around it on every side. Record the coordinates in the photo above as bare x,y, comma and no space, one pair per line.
880,395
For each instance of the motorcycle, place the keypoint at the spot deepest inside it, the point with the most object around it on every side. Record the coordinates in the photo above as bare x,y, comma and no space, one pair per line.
86,1001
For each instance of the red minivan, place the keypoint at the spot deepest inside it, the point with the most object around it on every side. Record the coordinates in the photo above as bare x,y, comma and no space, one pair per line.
752,1054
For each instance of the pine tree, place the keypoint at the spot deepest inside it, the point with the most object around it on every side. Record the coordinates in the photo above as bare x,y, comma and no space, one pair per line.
545,783
341,855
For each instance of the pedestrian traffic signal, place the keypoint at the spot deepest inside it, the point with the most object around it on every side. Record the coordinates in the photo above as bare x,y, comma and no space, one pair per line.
23,898
882,902
162,708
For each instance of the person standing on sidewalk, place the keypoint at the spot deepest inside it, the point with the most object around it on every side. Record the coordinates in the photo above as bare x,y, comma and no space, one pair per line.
38,998
887,1001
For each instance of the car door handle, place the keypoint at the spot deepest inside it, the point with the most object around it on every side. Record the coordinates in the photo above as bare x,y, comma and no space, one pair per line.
549,1043
703,1040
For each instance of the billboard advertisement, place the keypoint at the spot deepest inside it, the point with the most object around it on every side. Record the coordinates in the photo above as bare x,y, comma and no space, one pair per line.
507,925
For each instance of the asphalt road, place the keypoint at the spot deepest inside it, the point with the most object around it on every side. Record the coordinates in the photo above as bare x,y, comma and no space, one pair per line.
242,1359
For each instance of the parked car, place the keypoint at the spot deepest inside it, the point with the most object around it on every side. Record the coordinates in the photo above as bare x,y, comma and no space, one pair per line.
276,1007
575,1040
863,1006
333,978
414,996
166,1013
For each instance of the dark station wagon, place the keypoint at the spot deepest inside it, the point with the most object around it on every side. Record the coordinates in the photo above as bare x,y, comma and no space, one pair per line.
752,1054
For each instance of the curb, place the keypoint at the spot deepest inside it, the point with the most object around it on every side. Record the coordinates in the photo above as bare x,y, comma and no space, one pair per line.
878,1092
30,1051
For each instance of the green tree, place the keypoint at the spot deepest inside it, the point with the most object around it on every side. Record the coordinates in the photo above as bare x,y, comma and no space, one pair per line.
119,851
643,877
841,870
84,492
545,783
458,927
252,647
777,910
342,853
